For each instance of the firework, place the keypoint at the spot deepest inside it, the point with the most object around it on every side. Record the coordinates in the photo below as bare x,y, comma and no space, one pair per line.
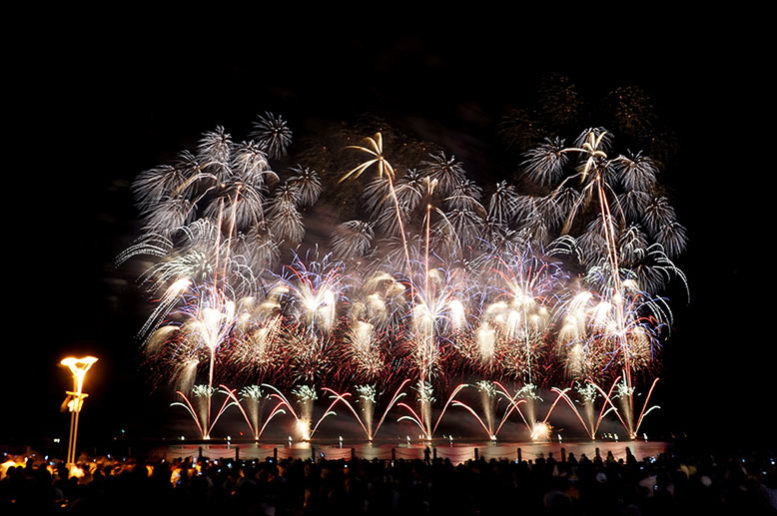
273,135
622,329
426,286
352,239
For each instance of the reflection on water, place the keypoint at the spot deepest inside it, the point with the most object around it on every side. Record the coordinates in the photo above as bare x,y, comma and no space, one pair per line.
457,453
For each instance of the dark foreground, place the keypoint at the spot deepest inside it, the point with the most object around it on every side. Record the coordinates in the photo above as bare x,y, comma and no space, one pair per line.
667,484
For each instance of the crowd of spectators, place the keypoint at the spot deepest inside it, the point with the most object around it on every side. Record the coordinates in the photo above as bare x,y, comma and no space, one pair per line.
663,485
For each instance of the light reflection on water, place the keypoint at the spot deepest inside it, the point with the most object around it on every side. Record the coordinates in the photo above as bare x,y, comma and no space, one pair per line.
457,452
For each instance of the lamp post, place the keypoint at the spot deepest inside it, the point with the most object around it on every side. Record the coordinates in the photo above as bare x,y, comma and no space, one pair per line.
75,398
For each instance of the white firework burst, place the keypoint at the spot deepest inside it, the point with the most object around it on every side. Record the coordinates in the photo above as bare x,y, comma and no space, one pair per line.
285,223
633,203
503,205
169,215
545,163
249,164
460,226
307,184
214,150
273,134
375,194
167,181
466,195
410,190
632,244
260,250
237,203
657,214
637,172
352,239
672,236
152,185
446,170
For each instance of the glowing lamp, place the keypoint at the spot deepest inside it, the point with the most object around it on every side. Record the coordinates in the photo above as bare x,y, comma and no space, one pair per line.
78,367
75,400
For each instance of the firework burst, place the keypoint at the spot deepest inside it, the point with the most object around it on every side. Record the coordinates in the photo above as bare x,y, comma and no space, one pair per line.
427,284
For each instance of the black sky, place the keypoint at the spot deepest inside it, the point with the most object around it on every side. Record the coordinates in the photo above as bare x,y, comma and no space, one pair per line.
87,119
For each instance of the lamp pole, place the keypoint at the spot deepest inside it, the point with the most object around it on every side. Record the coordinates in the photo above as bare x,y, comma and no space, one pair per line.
75,400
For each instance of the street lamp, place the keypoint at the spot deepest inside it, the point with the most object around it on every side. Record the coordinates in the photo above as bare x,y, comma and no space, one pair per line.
75,398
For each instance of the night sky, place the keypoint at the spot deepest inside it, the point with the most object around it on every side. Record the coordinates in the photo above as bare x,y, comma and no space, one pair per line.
86,121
